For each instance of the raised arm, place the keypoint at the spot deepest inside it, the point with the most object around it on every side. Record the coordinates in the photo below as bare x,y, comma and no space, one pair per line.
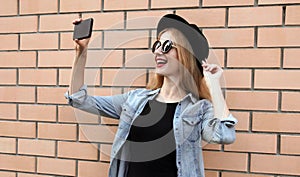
212,73
77,73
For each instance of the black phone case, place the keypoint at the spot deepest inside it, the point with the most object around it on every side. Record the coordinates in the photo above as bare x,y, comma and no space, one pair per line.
83,29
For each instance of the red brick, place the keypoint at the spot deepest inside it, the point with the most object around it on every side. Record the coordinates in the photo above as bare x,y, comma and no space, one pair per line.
17,163
234,37
246,142
80,5
92,77
57,131
216,56
32,175
96,40
66,41
244,120
36,147
8,111
212,17
55,58
278,37
144,19
207,146
242,81
125,5
219,160
139,58
127,77
7,145
276,122
90,133
232,174
126,39
39,41
292,15
255,16
56,166
211,173
291,58
109,121
17,129
17,59
227,3
53,95
174,3
113,20
76,150
38,7
290,101
17,94
8,174
251,100
62,22
89,169
70,115
64,76
289,144
274,164
105,151
11,42
10,7
276,79
8,77
37,112
273,2
253,58
16,24
104,58
37,76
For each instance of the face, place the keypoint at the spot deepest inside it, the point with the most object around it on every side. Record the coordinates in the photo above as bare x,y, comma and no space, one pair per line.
167,64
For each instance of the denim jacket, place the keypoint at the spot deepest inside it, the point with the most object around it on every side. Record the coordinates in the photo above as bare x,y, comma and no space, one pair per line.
193,122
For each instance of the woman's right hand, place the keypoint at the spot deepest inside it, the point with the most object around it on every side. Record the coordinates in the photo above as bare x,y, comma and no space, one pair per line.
82,44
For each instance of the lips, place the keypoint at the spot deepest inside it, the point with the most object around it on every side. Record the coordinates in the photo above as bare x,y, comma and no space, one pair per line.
160,62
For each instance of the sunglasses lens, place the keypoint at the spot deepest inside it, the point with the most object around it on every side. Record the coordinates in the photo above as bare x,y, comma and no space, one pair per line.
155,46
166,47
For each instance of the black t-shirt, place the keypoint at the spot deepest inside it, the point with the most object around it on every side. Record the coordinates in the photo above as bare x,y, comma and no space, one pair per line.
152,147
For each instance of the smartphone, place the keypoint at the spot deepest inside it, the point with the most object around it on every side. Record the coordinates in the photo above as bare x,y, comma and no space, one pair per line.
83,29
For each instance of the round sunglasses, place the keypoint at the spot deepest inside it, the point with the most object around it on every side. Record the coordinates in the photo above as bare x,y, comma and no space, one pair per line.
166,46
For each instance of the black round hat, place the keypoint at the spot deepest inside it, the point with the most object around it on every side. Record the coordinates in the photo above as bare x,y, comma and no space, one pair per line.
195,37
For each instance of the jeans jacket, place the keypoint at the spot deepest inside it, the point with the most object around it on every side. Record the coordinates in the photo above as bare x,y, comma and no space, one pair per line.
193,122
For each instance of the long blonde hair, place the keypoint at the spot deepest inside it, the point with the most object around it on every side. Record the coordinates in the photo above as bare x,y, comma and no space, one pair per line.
195,82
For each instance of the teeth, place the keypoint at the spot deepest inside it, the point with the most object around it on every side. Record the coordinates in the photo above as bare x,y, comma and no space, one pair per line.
161,61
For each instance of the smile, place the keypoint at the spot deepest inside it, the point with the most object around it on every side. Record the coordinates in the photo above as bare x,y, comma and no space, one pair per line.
160,62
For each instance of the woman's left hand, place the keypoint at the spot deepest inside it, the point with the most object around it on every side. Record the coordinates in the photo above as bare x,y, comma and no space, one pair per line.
212,71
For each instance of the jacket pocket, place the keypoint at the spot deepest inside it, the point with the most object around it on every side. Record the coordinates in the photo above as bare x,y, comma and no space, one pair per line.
191,131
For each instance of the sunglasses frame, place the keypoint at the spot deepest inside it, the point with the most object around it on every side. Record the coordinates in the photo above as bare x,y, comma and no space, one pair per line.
157,44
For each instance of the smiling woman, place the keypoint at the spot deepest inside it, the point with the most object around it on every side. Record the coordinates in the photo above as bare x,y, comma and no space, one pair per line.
161,127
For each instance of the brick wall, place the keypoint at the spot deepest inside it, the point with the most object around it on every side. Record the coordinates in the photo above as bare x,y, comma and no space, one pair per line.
256,41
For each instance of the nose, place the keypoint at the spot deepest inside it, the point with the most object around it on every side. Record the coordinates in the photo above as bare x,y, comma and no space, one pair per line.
158,50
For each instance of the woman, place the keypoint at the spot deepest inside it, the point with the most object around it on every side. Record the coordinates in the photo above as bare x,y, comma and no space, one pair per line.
161,127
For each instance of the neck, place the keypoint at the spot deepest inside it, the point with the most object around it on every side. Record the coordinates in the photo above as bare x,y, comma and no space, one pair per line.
171,91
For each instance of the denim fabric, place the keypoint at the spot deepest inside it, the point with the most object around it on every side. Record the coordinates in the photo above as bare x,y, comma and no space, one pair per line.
193,122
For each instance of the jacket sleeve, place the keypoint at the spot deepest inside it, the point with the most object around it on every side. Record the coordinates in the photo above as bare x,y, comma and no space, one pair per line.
215,130
109,106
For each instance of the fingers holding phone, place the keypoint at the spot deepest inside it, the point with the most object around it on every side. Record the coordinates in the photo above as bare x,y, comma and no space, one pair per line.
82,32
